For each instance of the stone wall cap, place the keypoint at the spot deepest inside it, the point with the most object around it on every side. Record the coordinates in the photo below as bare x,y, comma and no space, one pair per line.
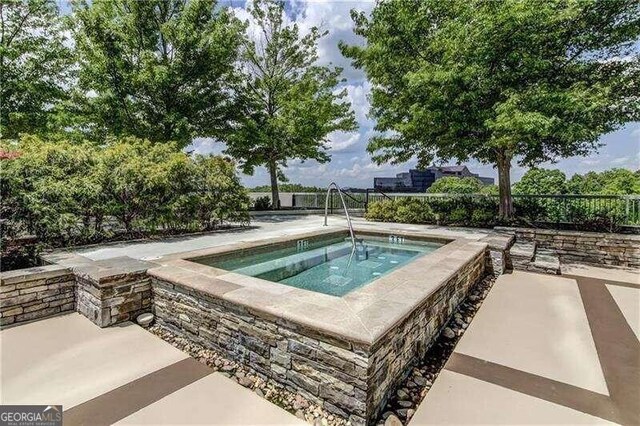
101,271
499,241
35,273
584,234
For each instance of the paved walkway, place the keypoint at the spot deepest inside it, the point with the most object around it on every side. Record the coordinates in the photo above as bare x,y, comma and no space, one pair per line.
120,374
546,350
261,228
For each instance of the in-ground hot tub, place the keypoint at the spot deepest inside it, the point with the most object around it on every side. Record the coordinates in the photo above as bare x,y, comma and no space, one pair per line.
332,266
341,328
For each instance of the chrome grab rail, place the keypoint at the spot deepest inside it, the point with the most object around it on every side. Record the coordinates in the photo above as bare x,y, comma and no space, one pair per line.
344,205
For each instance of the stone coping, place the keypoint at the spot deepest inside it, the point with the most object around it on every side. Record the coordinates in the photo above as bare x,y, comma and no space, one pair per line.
103,272
583,234
31,274
362,316
100,272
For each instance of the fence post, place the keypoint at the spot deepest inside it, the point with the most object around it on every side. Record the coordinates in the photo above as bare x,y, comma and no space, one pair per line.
366,200
626,210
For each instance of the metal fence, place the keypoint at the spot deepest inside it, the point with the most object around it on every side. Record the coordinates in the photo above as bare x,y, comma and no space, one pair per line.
624,209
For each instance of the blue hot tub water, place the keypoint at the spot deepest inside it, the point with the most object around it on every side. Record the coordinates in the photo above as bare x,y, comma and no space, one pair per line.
329,267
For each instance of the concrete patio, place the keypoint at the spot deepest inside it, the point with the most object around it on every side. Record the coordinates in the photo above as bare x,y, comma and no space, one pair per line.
120,374
546,350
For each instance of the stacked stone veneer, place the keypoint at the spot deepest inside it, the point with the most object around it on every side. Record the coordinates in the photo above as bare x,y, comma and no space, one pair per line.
107,291
109,302
392,356
35,293
350,379
298,358
584,247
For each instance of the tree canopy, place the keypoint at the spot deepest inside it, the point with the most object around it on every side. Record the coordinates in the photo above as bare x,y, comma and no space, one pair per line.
35,66
538,181
155,69
289,187
616,181
288,104
609,182
498,81
456,185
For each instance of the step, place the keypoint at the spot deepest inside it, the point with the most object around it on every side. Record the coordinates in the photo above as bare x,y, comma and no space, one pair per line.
522,253
546,262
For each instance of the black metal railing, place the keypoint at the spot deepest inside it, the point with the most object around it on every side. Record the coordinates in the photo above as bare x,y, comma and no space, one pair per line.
552,208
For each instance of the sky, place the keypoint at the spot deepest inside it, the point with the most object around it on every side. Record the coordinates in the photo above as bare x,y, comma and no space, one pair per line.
351,165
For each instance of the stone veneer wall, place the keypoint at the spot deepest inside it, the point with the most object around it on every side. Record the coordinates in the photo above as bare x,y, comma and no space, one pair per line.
116,299
393,356
317,367
34,293
107,291
349,379
585,247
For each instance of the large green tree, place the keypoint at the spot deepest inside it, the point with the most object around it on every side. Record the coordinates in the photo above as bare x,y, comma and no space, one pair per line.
498,81
34,66
288,103
155,69
538,181
609,182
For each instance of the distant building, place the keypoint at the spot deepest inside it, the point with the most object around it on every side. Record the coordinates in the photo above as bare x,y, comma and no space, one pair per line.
420,180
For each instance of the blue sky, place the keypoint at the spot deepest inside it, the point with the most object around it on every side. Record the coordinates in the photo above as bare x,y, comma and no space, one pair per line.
350,164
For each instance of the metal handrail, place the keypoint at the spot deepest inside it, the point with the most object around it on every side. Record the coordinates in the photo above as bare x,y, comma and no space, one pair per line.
379,192
344,205
352,197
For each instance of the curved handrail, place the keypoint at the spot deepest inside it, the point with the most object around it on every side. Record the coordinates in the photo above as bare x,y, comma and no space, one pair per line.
344,205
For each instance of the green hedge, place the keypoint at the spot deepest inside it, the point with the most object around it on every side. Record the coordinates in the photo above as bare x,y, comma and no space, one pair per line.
458,211
67,193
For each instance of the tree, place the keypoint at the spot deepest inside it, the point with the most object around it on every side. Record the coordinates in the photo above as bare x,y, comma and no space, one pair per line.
34,66
155,69
456,185
288,104
289,187
498,80
538,181
610,182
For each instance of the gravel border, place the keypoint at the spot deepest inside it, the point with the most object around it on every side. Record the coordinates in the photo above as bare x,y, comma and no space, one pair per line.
400,407
410,393
268,389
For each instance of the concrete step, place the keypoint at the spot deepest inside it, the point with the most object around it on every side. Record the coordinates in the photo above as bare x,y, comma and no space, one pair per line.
546,262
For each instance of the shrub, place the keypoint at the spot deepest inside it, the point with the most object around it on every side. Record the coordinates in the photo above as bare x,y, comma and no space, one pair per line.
381,211
462,211
412,210
483,217
43,186
65,193
262,203
456,185
458,216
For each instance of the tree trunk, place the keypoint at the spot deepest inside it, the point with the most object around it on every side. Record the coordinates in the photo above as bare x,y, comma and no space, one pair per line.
505,211
275,195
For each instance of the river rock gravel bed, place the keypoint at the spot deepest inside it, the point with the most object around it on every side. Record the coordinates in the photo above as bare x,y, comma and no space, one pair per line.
400,408
268,389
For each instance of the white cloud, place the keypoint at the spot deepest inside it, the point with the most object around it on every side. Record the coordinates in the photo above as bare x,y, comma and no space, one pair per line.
350,164
205,146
